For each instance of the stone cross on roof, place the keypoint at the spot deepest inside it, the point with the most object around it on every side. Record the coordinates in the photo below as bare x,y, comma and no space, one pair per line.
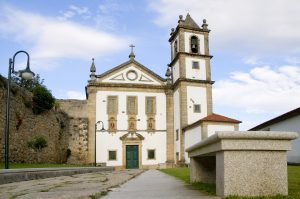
131,56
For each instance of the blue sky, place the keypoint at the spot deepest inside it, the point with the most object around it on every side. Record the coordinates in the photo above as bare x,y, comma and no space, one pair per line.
255,44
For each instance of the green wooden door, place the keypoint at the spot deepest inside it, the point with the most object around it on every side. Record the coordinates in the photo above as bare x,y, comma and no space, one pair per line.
132,156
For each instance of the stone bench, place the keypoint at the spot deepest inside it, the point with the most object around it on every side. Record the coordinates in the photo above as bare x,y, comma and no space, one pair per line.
242,163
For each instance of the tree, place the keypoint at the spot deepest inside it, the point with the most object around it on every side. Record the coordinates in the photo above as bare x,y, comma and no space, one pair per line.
42,99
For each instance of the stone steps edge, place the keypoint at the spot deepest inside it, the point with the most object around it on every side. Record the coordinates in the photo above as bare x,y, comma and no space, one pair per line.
18,175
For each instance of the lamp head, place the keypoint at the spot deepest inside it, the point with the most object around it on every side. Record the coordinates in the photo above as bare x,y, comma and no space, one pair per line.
27,74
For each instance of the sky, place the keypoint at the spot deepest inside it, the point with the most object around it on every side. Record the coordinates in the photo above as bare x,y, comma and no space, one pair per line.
255,46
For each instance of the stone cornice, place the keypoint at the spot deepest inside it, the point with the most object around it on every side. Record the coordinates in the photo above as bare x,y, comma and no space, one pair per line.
191,80
193,29
129,85
188,54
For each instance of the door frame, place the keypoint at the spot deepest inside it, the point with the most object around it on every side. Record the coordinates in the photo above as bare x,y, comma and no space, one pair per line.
131,142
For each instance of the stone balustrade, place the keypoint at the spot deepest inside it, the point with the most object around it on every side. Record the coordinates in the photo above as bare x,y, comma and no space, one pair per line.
242,163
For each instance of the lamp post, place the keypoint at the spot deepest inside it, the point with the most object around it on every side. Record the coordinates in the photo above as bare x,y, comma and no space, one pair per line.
26,74
102,130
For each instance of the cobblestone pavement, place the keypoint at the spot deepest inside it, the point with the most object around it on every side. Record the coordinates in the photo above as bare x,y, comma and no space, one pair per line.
81,186
154,184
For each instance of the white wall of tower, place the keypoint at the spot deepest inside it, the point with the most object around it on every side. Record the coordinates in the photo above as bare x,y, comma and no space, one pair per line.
176,71
197,74
196,95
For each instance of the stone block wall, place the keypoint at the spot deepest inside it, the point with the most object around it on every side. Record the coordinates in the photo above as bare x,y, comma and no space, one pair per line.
78,129
53,125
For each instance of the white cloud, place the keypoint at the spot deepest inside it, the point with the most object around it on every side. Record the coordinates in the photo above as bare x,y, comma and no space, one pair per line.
53,39
75,95
255,25
261,90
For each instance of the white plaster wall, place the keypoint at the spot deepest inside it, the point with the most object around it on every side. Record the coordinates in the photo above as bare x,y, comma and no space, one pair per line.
155,141
176,121
187,36
293,125
198,74
192,136
126,80
196,95
212,128
176,71
107,142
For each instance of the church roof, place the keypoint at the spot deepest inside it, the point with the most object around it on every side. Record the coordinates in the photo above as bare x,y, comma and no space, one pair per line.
127,63
189,23
219,118
212,118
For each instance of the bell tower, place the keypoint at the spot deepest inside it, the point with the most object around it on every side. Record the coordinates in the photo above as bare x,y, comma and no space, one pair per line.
191,77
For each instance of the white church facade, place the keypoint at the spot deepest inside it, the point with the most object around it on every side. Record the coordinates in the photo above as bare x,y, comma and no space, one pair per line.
149,121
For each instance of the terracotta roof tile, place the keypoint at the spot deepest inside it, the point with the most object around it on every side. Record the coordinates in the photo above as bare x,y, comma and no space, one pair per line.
219,118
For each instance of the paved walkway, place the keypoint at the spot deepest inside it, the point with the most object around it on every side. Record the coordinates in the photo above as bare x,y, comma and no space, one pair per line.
155,184
81,186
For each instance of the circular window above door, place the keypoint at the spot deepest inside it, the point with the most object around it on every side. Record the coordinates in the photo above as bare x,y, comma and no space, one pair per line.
132,75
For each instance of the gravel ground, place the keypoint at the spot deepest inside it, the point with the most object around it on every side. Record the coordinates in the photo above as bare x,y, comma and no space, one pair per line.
82,186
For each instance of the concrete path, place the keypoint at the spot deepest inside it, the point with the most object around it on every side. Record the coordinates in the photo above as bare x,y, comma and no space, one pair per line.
155,184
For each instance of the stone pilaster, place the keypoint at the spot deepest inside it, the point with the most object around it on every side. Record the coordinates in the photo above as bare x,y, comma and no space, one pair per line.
183,118
209,99
170,127
91,106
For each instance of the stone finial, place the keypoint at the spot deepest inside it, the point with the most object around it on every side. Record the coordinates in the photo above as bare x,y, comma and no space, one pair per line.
131,55
93,70
172,31
204,25
168,75
180,19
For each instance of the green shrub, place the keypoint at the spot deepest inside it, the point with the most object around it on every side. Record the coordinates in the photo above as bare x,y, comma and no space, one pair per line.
38,143
42,100
68,153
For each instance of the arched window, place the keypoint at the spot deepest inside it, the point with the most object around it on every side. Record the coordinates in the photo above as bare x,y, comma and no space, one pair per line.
194,44
175,47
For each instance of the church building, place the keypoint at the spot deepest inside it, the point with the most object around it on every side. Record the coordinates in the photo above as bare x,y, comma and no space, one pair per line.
138,119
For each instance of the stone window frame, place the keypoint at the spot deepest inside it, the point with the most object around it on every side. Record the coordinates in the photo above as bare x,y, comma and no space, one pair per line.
195,65
135,112
116,107
198,43
154,153
116,154
196,110
175,46
177,135
154,105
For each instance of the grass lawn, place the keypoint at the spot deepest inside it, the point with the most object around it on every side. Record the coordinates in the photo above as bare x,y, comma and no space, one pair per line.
25,165
293,183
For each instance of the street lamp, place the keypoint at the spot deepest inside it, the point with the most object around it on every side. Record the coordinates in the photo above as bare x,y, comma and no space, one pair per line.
102,130
26,74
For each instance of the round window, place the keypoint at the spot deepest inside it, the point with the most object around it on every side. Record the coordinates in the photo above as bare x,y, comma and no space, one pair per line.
131,75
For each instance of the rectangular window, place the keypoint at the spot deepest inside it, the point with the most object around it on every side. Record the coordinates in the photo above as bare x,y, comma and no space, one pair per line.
131,105
195,65
197,108
150,105
151,154
112,155
177,134
112,105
